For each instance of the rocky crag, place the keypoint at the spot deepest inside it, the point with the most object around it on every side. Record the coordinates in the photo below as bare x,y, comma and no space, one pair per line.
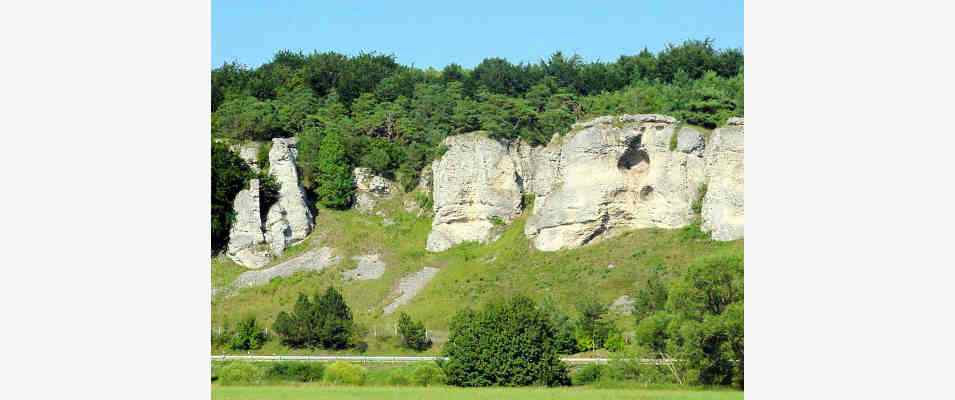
252,241
607,175
370,189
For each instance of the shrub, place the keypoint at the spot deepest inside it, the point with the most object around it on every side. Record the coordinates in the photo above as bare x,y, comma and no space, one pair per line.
508,343
427,375
588,374
324,322
247,336
413,335
344,373
239,373
295,371
424,200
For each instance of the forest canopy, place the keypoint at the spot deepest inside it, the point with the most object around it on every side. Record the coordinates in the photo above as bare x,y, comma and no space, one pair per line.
393,118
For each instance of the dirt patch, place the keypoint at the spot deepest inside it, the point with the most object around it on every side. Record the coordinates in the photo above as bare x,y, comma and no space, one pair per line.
409,286
369,267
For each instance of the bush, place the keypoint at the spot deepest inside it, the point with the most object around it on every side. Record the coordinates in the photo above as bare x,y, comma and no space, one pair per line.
508,343
344,373
247,336
427,375
413,335
295,371
239,373
588,374
424,200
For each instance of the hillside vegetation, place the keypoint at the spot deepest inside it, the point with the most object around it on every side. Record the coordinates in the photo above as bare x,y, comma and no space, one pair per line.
470,275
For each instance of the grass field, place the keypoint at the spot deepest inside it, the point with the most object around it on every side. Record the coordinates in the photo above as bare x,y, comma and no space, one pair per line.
470,274
302,392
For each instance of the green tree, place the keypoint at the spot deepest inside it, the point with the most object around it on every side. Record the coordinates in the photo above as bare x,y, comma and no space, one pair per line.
335,186
324,322
229,176
413,335
246,118
248,335
336,325
508,343
592,328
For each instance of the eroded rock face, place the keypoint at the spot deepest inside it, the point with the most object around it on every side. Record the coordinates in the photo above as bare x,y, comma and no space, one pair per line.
289,220
722,213
615,174
252,241
370,189
476,188
247,245
607,175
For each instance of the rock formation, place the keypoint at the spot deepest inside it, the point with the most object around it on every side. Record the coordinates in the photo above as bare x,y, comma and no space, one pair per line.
615,174
605,176
476,188
370,189
253,243
723,205
289,220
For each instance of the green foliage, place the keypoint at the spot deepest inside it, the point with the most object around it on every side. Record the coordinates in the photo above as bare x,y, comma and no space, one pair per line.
239,373
343,373
295,371
246,118
247,336
588,374
413,335
565,340
393,118
652,331
702,322
335,186
229,176
592,328
324,322
424,200
427,374
651,297
268,193
508,343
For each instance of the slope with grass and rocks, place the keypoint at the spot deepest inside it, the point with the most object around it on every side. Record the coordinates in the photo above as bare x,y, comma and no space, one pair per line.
588,215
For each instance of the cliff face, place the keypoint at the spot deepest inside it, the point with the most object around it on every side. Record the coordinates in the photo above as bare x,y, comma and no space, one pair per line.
606,176
723,206
475,188
253,242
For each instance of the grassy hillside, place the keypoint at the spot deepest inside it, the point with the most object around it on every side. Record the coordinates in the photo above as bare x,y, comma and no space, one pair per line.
470,275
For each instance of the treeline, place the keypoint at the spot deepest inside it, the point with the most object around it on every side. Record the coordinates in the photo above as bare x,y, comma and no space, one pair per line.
393,118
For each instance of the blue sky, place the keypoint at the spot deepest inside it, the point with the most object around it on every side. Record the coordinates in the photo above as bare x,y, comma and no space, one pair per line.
437,33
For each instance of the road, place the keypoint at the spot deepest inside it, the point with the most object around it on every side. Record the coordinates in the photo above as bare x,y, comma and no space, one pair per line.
400,359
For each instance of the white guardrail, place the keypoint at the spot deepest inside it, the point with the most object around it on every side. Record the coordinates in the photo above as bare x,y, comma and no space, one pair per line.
403,359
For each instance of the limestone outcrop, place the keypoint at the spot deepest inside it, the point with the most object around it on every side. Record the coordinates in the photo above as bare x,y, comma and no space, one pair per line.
475,190
370,189
247,245
289,220
615,174
723,205
252,241
605,176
